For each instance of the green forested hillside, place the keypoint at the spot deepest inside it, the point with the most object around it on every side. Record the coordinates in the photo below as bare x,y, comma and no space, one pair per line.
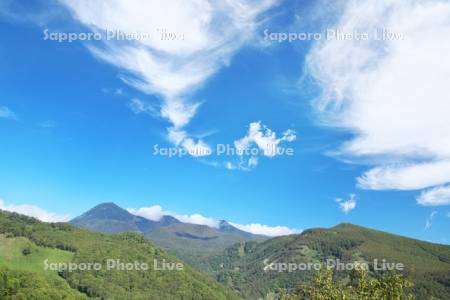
26,243
241,267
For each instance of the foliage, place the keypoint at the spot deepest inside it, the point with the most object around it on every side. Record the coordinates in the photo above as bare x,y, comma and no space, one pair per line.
19,285
391,286
84,246
241,267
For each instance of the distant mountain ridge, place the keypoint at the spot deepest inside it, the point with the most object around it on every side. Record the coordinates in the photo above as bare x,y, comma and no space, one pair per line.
187,241
242,266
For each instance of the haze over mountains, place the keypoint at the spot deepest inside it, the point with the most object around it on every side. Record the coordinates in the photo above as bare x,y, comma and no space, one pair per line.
187,241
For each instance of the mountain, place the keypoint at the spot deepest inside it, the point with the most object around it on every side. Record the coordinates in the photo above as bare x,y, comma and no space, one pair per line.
224,226
241,266
251,268
191,242
28,247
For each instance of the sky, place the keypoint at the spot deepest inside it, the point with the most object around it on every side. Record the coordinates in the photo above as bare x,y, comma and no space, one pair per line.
276,116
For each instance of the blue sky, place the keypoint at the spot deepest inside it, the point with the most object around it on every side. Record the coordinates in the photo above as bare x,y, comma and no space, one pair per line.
79,120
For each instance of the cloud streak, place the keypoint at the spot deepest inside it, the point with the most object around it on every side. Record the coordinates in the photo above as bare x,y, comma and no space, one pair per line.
391,94
208,34
429,221
6,113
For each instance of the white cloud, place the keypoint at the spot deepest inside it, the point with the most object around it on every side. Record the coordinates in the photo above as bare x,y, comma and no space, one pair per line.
435,196
34,211
196,148
7,113
347,205
392,95
242,164
406,176
156,212
197,219
140,107
266,230
264,138
429,221
209,34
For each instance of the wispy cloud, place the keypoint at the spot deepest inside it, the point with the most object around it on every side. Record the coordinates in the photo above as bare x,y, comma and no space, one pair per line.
209,33
429,221
141,107
156,212
347,205
390,93
34,211
48,124
113,91
435,196
7,113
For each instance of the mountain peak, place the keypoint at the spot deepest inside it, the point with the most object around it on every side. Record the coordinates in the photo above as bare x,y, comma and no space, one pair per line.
224,224
107,205
104,211
168,220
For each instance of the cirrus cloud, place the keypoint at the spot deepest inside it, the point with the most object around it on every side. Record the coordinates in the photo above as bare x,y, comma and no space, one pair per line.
7,113
208,33
391,94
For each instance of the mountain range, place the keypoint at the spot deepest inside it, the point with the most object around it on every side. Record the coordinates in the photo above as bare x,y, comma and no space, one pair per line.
223,262
190,242
238,259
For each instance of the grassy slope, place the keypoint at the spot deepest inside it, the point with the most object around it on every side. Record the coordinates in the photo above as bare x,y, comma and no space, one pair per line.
11,255
29,270
241,267
86,246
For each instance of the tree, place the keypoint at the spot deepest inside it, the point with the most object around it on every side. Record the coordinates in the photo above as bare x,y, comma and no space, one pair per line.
391,286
